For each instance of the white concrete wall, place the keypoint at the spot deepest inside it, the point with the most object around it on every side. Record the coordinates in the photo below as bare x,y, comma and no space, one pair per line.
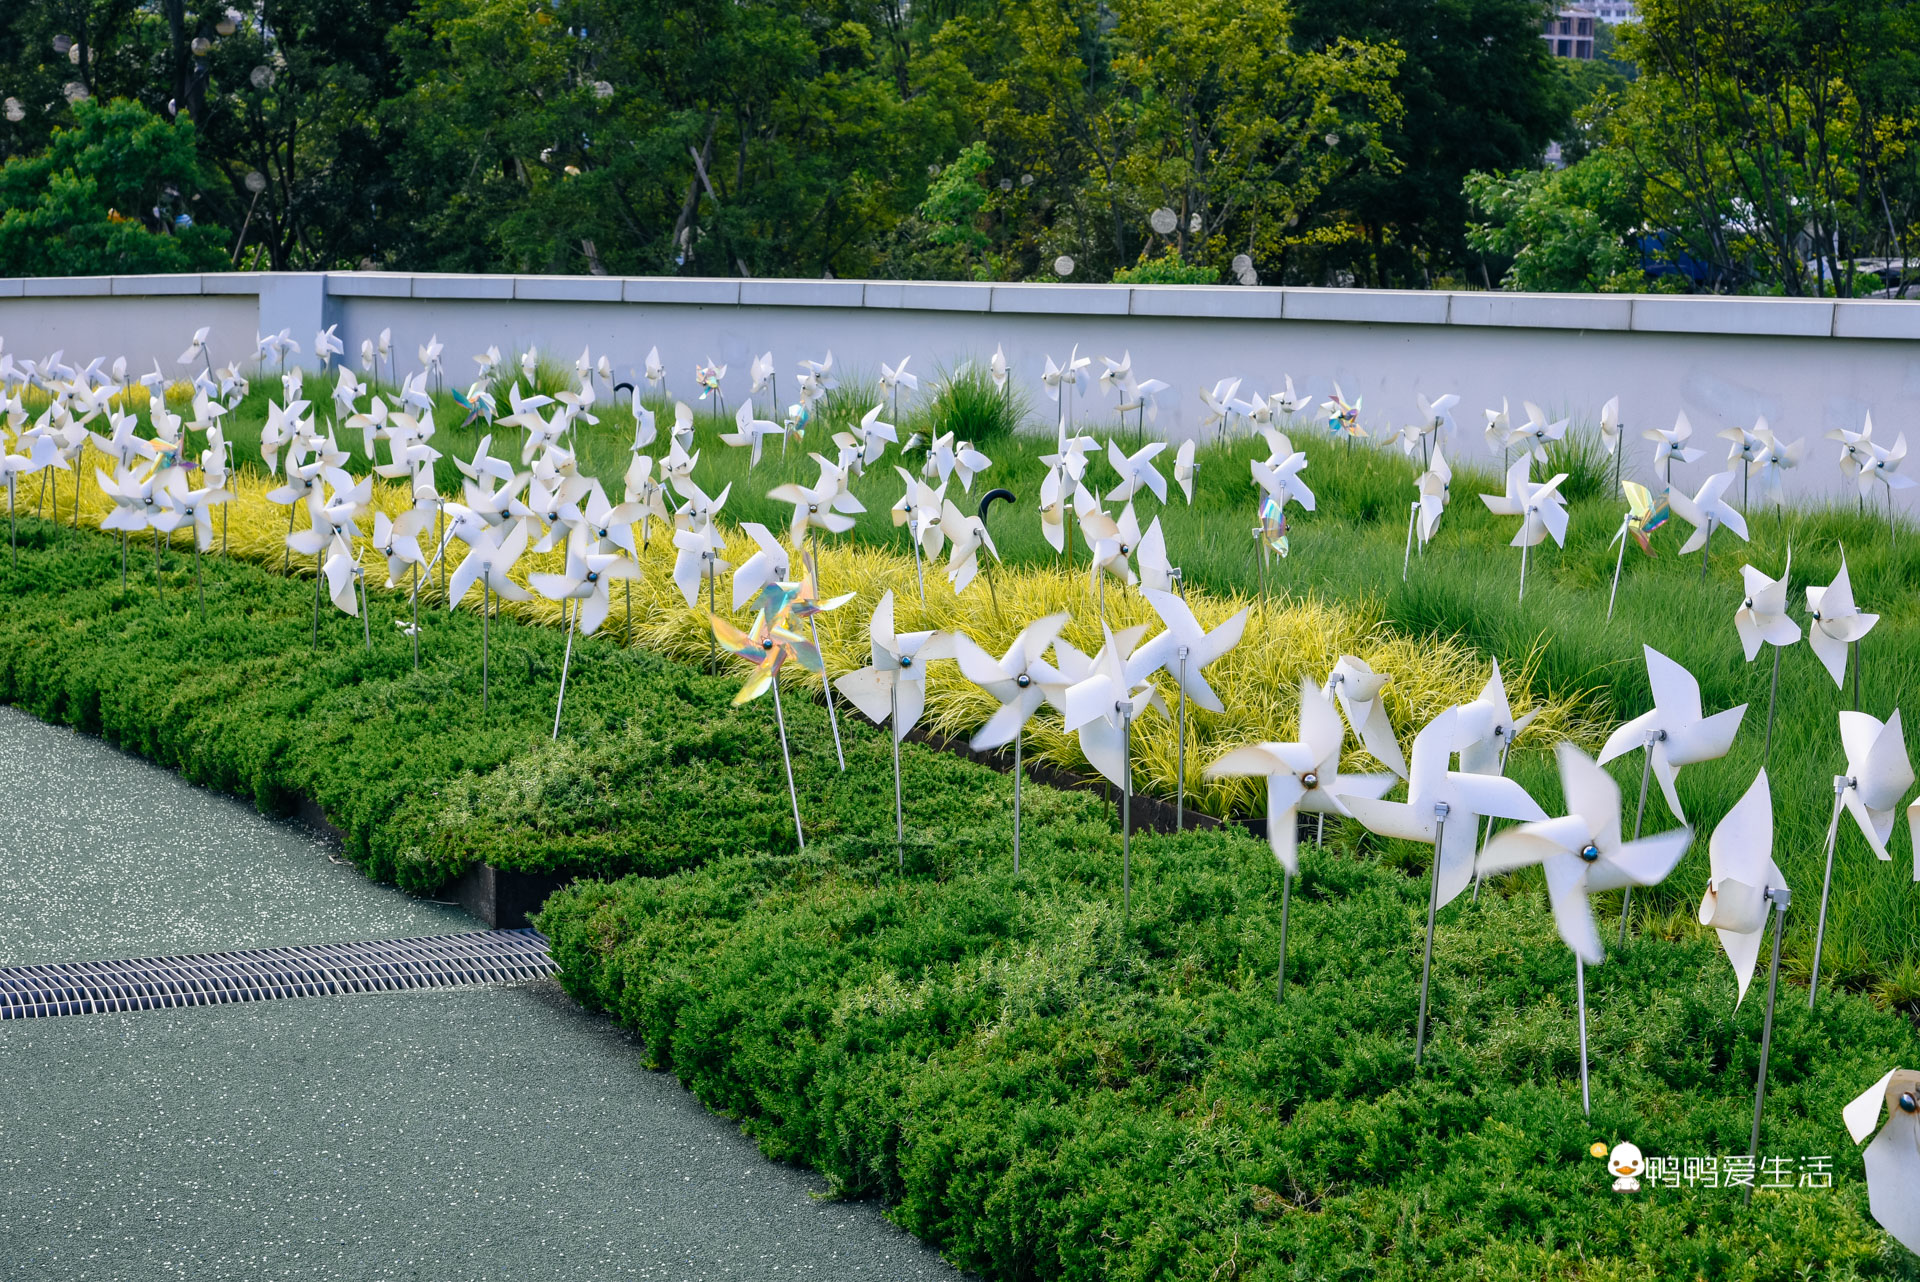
1808,366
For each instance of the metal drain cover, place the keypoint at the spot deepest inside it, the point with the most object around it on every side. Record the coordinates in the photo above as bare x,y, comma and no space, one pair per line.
269,974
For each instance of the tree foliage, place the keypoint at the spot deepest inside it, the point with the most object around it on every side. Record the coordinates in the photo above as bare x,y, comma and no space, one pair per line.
98,199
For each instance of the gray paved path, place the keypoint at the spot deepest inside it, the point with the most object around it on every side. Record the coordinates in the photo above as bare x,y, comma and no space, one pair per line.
478,1134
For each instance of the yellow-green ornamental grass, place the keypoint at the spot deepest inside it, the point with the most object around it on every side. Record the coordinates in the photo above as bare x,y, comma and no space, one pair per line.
1286,636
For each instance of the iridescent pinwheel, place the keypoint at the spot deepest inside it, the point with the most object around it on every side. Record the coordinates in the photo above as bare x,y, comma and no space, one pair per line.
1644,515
1343,419
768,646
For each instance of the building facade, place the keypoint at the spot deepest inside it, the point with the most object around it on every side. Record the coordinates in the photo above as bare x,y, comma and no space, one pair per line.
1569,33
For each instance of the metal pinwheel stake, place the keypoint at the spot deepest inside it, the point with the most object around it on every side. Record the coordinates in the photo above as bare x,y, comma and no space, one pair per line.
1191,650
1442,801
893,689
1102,707
1643,516
1762,620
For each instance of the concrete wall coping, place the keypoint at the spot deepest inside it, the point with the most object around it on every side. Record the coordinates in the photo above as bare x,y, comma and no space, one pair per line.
1646,313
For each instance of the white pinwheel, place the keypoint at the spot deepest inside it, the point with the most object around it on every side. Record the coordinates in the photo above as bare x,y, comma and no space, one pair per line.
1136,472
198,347
696,561
491,554
768,564
1113,693
1670,443
1467,796
327,345
1881,467
654,372
750,433
997,368
1358,688
814,508
1892,1161
1610,428
1878,776
1017,681
1112,540
398,540
1186,650
1707,511
1443,809
1836,623
1185,469
1301,776
1743,879
1219,403
1582,855
1674,732
968,535
1583,852
1541,508
1436,491
1156,571
1536,434
1856,448
1281,480
760,374
873,437
1746,447
895,377
1761,618
1488,728
893,687
588,581
1433,426
1775,459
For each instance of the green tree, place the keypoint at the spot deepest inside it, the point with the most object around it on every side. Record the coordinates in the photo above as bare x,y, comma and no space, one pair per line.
101,199
1776,137
1565,230
1479,91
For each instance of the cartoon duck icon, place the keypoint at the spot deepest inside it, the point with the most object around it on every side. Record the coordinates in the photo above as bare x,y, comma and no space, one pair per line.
1627,1165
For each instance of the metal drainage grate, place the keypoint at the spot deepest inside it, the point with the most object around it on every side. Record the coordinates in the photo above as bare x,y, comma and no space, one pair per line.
268,974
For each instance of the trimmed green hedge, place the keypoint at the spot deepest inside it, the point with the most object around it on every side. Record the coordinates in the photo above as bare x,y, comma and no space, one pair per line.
654,769
1045,1090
